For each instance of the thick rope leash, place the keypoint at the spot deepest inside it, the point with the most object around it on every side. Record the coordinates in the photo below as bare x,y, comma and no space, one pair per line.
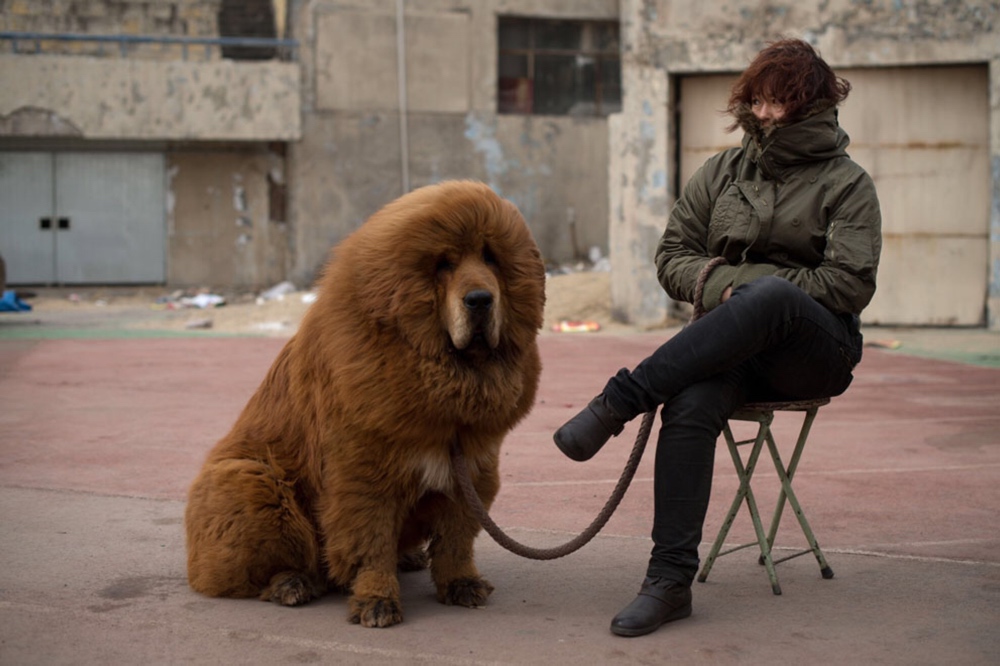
461,472
699,287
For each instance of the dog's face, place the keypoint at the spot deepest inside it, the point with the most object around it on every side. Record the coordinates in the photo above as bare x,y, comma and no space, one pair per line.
473,308
453,268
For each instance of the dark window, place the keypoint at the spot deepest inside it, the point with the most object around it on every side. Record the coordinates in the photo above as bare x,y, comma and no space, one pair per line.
247,18
558,67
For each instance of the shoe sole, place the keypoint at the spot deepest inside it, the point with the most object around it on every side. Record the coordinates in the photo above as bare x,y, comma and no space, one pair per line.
678,614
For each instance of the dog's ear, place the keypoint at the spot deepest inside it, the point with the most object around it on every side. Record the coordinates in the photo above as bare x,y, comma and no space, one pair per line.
522,267
385,280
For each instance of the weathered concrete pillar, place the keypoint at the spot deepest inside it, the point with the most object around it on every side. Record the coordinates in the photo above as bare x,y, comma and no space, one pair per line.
993,279
637,183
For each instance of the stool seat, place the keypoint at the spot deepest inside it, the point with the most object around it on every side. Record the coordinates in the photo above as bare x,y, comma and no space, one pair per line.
762,413
783,406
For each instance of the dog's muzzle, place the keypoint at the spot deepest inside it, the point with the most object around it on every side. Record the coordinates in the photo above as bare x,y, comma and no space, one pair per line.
478,319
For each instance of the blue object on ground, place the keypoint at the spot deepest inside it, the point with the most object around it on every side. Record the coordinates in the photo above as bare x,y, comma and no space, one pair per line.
11,303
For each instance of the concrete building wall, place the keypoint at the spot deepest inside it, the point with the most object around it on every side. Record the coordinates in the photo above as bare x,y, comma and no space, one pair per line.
193,18
354,142
356,155
148,100
220,228
214,120
96,90
664,39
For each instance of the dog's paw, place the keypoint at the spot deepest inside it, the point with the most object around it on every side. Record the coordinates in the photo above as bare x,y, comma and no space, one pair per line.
291,588
414,560
375,611
469,592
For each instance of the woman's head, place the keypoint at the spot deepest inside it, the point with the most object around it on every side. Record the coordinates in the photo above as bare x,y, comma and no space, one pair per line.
790,75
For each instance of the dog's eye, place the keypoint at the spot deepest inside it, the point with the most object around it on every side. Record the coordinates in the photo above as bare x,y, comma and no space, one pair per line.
488,257
444,265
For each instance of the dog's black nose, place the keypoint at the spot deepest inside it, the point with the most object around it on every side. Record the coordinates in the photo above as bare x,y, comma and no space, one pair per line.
478,300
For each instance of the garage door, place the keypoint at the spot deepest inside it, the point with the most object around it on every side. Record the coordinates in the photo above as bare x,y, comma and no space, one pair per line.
922,134
79,218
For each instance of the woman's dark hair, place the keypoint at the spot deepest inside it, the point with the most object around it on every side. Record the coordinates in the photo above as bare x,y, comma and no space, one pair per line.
791,73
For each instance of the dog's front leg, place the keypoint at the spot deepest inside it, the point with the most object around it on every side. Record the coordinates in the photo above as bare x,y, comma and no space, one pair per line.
453,565
375,599
361,531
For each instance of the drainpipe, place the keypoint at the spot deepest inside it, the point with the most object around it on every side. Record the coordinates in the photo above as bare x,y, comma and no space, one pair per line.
404,151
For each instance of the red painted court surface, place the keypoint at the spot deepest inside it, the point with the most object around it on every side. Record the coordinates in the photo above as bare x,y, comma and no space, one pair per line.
900,480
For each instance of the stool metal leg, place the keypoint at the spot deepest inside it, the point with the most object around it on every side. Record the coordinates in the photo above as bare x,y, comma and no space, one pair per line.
734,507
790,470
785,475
745,493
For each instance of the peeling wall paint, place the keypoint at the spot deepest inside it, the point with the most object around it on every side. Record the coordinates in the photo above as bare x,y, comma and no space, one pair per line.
553,170
33,121
220,231
482,135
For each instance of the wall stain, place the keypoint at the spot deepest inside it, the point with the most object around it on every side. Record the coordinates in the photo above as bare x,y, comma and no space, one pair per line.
35,121
484,141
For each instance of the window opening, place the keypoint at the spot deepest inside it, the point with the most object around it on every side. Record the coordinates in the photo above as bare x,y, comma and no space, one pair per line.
247,18
558,67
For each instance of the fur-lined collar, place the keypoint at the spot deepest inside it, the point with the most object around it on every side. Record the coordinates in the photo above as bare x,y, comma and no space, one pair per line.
750,124
780,147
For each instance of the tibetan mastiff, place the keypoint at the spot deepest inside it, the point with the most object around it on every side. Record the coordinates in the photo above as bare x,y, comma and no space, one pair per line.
336,474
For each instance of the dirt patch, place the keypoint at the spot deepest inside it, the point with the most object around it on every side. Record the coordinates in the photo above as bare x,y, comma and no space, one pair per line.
582,296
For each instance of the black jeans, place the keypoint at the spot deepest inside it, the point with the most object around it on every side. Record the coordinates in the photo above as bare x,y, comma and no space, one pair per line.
769,341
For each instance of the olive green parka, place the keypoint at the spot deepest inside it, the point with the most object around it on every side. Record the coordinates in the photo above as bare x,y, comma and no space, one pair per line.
789,202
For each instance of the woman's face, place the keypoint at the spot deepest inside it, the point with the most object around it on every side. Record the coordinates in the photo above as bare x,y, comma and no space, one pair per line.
767,111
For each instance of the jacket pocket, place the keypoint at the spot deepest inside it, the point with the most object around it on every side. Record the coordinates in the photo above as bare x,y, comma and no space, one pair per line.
729,228
850,246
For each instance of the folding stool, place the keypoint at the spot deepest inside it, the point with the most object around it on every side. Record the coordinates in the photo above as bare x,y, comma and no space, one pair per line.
762,413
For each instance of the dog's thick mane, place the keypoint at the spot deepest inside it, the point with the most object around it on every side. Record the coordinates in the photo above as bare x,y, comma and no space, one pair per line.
397,252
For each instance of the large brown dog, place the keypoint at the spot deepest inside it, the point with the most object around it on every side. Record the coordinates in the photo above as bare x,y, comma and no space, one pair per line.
337,471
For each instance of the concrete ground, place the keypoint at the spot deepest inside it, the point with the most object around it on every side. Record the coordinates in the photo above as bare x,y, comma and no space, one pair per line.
102,431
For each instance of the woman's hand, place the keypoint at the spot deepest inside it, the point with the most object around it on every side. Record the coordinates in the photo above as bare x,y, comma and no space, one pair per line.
726,294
